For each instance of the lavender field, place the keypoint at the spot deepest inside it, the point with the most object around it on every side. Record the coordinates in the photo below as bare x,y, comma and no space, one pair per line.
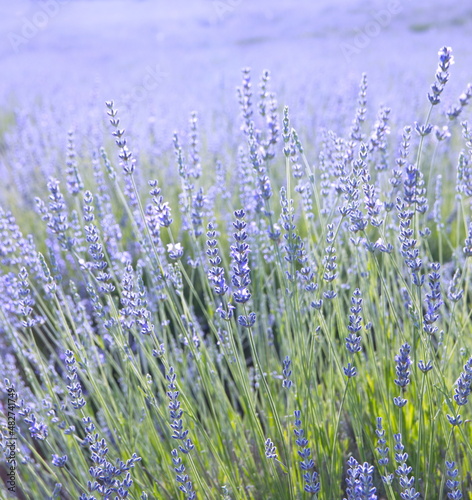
235,250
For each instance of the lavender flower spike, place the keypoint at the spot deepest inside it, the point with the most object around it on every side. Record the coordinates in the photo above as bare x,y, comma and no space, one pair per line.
442,75
464,384
468,242
353,341
74,387
312,484
287,373
175,413
452,483
403,361
241,273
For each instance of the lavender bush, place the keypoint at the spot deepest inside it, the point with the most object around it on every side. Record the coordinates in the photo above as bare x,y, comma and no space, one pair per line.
286,317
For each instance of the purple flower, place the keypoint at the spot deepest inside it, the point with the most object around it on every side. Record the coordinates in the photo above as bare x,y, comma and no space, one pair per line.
184,483
403,362
270,449
356,131
454,111
195,164
179,434
452,484
403,471
240,278
107,478
287,373
38,430
74,182
464,384
433,301
312,484
127,163
175,250
74,387
56,214
468,242
161,209
247,321
442,75
293,243
425,367
58,461
353,341
382,448
329,261
245,99
454,420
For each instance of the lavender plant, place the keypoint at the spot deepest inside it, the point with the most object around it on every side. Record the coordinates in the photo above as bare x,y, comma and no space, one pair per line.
146,358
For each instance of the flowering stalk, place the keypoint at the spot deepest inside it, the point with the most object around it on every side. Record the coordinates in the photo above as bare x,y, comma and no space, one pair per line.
353,341
186,445
403,362
307,465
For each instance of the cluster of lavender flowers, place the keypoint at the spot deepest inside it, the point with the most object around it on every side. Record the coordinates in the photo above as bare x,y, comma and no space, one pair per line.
121,317
106,477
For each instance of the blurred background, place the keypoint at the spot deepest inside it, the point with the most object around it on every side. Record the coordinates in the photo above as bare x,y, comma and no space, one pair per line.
166,58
